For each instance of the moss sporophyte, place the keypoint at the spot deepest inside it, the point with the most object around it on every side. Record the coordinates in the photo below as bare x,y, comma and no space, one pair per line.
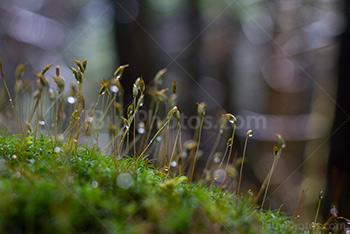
98,169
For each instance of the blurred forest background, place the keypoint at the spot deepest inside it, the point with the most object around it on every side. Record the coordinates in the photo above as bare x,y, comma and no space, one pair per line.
280,60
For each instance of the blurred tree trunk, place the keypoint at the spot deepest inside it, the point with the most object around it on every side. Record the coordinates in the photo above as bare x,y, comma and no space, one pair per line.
133,43
338,191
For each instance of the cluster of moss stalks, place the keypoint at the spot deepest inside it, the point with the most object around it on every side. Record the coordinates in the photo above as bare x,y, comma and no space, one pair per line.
56,176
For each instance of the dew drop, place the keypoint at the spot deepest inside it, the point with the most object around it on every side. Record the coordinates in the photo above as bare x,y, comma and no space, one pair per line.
141,128
114,89
141,103
173,164
14,156
231,121
217,160
42,122
250,133
125,181
221,131
57,149
184,155
94,184
10,100
89,119
158,138
220,175
334,211
71,100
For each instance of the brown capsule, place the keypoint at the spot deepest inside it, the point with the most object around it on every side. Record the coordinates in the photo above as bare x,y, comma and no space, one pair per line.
84,64
130,109
45,69
126,122
104,87
60,83
174,87
158,78
201,108
20,71
119,72
161,95
231,118
57,71
80,66
250,133
142,85
118,108
135,91
275,151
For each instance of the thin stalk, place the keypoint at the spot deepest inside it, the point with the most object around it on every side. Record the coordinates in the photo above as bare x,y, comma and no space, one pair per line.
211,155
165,148
174,146
249,133
154,137
8,93
318,210
148,122
222,160
196,154
232,140
268,182
263,186
152,123
121,143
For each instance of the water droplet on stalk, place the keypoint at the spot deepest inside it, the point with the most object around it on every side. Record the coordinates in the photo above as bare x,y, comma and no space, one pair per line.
57,149
220,175
94,184
217,160
114,89
141,128
14,156
89,119
125,180
250,133
158,138
173,164
334,211
71,100
42,122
